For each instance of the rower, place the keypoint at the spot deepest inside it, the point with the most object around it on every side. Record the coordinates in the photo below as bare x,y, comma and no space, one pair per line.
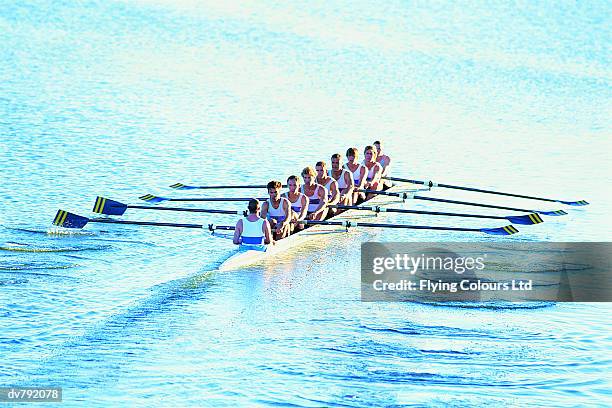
344,179
358,171
330,184
317,195
277,210
297,200
373,181
253,232
382,159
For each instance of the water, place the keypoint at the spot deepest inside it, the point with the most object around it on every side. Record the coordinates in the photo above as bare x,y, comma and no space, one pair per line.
121,99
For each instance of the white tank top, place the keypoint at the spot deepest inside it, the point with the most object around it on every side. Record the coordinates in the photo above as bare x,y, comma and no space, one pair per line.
252,232
297,205
355,173
277,213
386,170
313,200
371,171
328,186
341,183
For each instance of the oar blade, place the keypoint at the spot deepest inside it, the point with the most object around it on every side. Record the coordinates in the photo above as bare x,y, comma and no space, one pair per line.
109,207
556,213
181,186
150,198
575,203
507,230
65,219
528,219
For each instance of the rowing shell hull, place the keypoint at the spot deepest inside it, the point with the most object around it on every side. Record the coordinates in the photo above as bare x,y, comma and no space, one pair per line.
244,258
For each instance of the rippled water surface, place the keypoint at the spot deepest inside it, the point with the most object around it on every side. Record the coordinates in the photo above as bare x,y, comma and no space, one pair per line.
124,98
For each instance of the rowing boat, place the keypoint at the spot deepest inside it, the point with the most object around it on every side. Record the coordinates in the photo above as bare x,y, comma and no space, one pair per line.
244,257
345,220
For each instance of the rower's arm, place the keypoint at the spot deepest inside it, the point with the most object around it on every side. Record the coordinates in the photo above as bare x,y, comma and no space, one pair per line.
263,213
362,177
385,171
350,183
304,211
267,232
377,175
287,209
322,200
335,194
238,233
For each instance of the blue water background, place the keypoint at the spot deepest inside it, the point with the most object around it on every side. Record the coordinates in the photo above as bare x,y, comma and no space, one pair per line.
123,98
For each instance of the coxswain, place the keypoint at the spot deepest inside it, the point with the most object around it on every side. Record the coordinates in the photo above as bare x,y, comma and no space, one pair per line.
253,232
344,179
297,200
358,171
373,181
277,210
330,184
317,195
382,159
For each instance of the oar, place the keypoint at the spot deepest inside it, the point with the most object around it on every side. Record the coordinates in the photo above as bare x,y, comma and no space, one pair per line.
155,199
111,207
528,219
480,190
66,219
507,230
181,186
441,200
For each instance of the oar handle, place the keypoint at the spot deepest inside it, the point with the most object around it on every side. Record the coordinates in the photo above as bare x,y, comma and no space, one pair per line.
379,209
403,180
448,214
381,192
528,219
350,224
223,187
213,227
221,199
481,190
155,224
196,210
441,200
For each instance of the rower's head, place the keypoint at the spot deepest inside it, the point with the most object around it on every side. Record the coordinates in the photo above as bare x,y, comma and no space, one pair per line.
336,161
369,153
321,168
308,174
274,188
253,206
293,182
378,147
352,155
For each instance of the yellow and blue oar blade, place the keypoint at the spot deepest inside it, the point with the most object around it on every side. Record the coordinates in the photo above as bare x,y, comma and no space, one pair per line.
65,219
150,198
528,219
109,207
555,213
181,186
507,230
575,203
